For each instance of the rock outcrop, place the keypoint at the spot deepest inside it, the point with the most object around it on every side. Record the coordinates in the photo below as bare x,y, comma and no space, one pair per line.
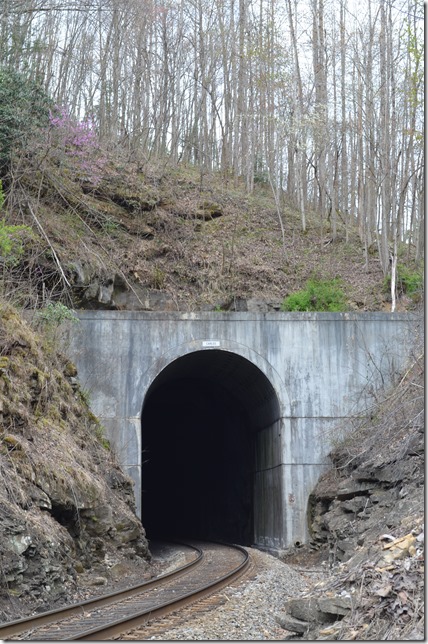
64,502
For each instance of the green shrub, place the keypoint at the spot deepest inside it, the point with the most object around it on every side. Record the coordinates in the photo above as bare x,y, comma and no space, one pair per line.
12,242
408,282
318,295
50,319
99,433
54,314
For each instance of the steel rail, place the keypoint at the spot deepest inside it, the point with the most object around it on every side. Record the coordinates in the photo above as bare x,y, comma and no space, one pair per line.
12,628
214,568
128,623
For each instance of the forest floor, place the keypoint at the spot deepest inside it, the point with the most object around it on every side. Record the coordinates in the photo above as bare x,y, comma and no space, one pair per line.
174,239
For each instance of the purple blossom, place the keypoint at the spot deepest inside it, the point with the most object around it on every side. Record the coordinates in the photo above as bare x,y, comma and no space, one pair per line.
79,142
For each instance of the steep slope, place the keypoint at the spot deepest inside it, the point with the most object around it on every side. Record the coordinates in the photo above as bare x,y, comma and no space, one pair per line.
65,506
173,239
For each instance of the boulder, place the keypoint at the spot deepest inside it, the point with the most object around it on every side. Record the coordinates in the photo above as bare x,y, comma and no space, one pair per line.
98,520
306,609
305,613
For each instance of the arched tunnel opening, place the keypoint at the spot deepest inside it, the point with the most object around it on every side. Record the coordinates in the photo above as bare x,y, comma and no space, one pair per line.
200,421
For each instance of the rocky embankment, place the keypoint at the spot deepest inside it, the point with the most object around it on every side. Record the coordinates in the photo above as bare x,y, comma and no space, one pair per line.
66,508
367,513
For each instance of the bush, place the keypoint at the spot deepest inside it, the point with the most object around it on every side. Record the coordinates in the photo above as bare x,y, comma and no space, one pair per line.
12,238
24,108
12,243
75,143
54,314
318,295
408,282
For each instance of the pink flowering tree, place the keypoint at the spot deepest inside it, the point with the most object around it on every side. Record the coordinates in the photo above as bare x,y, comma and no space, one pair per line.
77,144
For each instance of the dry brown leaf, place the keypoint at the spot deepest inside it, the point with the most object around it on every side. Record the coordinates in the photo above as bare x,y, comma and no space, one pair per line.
403,596
403,542
384,591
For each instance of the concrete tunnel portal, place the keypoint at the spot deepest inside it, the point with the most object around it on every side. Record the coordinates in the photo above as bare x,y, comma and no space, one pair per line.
200,475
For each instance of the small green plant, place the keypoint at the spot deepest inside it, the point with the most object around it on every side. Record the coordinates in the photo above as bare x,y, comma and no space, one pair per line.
99,433
408,282
109,226
55,313
12,240
158,278
85,395
318,295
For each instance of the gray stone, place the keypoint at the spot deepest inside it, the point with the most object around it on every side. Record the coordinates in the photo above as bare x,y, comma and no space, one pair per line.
105,293
290,623
98,581
81,274
97,520
319,610
19,543
306,609
119,570
139,299
339,605
346,548
125,536
40,498
257,305
355,504
351,488
91,293
391,473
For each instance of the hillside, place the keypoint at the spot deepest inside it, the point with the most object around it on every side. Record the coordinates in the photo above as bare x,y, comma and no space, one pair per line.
174,239
366,517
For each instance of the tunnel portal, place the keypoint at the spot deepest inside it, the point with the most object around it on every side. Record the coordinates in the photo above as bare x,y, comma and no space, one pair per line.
200,421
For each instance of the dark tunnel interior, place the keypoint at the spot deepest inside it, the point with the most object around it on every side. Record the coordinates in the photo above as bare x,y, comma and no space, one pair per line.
199,421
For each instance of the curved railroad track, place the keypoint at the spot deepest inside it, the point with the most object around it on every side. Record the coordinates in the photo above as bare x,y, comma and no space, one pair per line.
214,566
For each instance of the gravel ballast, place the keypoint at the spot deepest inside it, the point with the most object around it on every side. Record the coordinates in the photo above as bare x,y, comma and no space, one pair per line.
249,608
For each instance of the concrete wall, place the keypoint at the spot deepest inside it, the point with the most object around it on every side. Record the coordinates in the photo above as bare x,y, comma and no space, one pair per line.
322,368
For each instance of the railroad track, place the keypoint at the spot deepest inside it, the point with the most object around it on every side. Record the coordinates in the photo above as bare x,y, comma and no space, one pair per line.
214,566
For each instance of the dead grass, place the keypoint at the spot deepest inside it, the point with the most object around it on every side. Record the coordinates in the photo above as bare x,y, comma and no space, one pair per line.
134,217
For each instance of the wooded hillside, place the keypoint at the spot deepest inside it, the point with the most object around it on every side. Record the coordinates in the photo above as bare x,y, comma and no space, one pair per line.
320,103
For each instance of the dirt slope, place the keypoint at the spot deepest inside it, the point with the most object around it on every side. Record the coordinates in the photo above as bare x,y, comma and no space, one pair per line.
170,239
